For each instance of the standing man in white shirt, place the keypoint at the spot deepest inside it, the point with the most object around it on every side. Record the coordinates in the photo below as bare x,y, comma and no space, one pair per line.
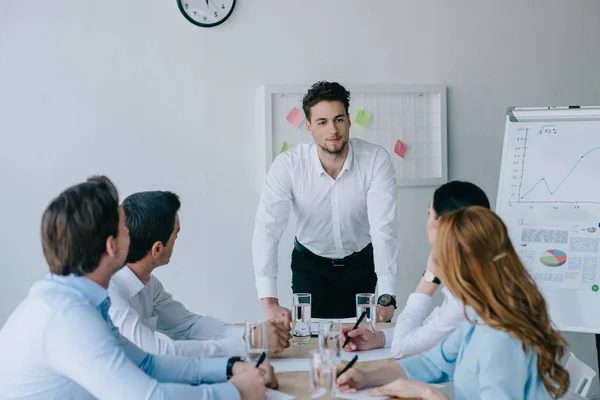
148,315
343,193
60,342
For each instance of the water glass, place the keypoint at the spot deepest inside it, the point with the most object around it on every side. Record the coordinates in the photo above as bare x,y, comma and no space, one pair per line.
366,302
329,339
256,340
321,376
301,318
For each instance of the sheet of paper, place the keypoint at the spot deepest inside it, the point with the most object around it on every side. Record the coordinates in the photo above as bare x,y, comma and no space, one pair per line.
295,117
400,148
367,355
363,118
359,395
277,395
290,364
314,322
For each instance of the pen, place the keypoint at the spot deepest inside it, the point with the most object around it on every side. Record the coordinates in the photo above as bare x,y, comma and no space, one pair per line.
348,366
362,316
261,359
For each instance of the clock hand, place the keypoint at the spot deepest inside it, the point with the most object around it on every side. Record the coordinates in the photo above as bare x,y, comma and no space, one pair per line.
216,6
207,4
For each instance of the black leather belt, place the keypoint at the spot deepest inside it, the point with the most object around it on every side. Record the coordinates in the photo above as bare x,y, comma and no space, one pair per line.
335,262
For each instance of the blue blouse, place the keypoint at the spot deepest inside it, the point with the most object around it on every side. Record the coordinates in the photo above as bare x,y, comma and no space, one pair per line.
482,362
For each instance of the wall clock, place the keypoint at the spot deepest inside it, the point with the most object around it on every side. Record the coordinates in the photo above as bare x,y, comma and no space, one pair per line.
206,13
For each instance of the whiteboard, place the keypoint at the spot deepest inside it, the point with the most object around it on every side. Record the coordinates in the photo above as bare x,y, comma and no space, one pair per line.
549,198
415,115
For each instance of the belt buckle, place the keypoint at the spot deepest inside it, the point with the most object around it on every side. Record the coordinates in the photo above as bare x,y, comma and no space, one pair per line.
337,263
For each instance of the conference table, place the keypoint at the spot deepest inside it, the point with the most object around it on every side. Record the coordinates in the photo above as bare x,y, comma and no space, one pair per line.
297,383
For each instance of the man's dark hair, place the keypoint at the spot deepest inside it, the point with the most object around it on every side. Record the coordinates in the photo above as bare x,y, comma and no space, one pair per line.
454,195
325,91
150,217
77,223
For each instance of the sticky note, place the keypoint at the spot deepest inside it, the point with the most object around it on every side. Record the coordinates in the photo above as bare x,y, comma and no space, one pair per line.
400,148
295,117
285,147
363,118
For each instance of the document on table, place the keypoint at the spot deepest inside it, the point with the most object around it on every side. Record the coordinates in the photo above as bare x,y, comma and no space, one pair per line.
359,395
368,355
277,395
290,364
314,322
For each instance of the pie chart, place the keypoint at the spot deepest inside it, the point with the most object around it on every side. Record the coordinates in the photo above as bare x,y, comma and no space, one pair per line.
553,258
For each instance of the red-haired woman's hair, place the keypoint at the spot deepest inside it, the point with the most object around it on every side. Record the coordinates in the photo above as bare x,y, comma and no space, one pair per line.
480,266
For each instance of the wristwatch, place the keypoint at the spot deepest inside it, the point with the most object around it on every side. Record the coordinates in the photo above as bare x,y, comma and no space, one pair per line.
429,276
387,300
230,362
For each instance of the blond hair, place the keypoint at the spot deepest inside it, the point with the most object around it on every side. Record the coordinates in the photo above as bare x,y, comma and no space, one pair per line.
480,266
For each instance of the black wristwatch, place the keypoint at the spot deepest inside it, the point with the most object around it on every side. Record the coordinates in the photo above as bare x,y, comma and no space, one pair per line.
230,362
387,300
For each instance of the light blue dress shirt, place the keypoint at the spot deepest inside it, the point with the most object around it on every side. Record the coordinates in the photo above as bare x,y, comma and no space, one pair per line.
482,362
60,344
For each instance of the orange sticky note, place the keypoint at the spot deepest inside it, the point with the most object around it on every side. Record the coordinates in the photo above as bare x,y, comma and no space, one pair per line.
400,148
295,117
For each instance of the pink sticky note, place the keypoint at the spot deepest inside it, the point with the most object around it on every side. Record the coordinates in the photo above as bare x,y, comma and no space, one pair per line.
400,148
295,117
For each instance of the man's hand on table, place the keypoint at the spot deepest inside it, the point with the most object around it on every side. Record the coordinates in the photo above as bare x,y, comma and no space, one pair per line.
362,338
278,334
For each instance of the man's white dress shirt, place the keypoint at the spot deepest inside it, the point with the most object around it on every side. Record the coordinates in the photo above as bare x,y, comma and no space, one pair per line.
59,343
148,316
416,331
335,217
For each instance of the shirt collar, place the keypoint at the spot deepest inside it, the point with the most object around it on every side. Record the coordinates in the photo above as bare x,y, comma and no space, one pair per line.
317,162
93,292
129,281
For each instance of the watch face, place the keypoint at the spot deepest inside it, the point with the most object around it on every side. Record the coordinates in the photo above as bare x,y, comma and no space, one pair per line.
206,13
384,300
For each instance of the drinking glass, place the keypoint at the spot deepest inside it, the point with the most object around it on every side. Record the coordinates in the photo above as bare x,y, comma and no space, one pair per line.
256,340
301,318
321,376
365,302
329,339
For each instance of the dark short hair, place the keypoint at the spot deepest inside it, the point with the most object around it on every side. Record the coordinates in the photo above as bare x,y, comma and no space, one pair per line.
77,223
150,217
325,91
458,194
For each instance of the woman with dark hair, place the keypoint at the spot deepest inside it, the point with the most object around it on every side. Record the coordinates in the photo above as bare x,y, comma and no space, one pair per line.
416,329
506,349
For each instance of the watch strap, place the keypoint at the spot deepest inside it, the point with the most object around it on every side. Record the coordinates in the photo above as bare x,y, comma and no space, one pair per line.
230,362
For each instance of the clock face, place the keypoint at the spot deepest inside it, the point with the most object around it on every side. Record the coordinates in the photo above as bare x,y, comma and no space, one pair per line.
206,13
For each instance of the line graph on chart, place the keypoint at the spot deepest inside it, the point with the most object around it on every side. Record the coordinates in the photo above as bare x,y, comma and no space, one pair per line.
551,166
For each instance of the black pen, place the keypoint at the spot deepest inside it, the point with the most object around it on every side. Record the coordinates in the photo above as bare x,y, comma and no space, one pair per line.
261,359
348,366
362,316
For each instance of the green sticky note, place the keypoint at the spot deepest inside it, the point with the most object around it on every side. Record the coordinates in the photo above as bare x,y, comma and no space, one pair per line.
285,147
363,118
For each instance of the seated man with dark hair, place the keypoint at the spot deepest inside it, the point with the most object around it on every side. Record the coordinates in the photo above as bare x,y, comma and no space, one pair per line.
60,342
148,315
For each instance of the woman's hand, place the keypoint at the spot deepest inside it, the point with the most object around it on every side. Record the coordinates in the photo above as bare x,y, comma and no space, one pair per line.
407,388
351,380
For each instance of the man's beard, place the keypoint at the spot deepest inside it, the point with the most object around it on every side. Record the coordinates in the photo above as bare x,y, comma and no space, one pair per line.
336,151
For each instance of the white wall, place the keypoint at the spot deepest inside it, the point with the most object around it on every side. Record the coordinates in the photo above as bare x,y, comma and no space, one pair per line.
132,90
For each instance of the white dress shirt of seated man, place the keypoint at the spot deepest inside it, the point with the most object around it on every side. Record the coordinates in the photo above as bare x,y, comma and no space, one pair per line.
147,314
60,340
